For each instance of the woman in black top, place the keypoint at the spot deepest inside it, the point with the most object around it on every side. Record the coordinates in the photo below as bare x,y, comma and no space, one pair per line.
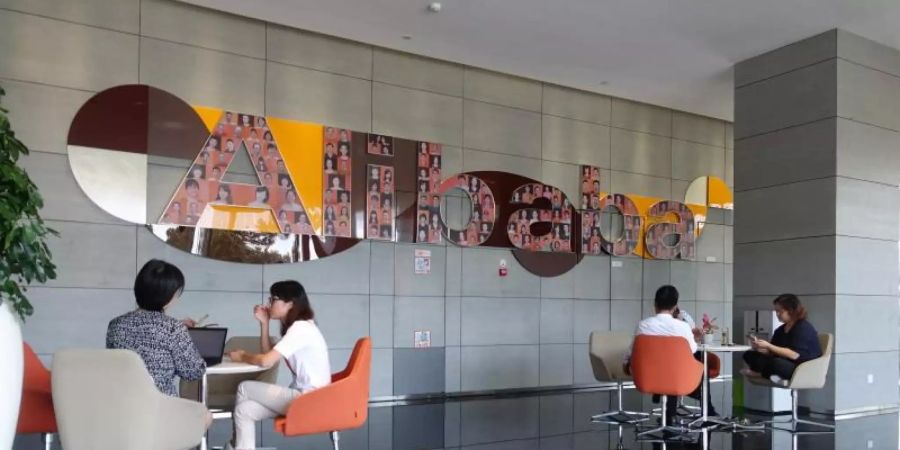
793,343
160,340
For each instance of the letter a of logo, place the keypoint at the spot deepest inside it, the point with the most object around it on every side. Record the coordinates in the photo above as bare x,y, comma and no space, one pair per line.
205,199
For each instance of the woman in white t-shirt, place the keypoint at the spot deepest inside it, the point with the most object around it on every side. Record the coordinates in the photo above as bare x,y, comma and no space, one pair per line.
303,349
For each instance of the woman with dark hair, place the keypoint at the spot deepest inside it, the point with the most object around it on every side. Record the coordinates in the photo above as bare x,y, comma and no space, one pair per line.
262,198
304,351
160,340
793,343
224,195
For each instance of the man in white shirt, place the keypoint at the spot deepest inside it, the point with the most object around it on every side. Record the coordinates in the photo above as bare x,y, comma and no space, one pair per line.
664,323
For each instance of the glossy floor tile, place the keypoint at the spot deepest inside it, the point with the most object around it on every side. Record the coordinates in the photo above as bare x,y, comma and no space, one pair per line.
551,421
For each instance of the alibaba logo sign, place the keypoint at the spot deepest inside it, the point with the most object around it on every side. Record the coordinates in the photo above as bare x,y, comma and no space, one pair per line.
243,187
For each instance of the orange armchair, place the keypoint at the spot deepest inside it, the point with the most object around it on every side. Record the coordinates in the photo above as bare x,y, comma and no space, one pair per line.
36,409
342,405
664,365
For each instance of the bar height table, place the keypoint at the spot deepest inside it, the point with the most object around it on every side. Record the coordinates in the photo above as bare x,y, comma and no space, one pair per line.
704,421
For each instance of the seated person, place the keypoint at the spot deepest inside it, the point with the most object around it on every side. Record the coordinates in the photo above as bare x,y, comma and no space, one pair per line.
160,340
305,353
665,324
793,343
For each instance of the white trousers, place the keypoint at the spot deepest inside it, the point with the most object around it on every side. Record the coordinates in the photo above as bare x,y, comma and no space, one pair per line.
257,401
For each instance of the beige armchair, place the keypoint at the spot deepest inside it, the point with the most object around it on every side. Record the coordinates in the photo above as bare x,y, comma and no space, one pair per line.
808,375
222,389
607,352
106,400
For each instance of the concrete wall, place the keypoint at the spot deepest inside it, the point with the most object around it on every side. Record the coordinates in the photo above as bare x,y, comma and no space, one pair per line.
487,333
817,129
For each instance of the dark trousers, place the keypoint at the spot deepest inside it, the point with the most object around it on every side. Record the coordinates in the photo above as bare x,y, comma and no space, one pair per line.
769,365
672,402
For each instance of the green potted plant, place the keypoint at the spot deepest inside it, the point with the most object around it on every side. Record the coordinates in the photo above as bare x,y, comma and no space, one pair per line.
24,259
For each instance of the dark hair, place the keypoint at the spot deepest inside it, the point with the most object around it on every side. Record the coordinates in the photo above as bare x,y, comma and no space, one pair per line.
292,292
666,297
263,189
156,284
191,182
791,304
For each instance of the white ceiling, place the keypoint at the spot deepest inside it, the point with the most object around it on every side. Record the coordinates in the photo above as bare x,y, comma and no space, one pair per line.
674,53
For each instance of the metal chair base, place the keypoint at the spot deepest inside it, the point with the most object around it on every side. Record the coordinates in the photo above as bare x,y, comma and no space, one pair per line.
686,411
796,421
678,432
621,416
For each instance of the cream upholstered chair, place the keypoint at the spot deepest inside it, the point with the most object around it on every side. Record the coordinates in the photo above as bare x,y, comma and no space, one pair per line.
105,399
222,389
808,375
607,352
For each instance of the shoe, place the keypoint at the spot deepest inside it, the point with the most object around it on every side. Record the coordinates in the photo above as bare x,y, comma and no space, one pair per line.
778,380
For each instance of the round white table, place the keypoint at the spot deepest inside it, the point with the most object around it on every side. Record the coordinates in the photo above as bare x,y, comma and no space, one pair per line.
229,367
226,367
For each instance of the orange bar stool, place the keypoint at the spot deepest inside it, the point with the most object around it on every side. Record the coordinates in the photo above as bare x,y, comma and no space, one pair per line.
36,410
342,405
664,365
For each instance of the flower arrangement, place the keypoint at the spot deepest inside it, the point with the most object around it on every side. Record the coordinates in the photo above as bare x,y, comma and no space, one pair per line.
709,325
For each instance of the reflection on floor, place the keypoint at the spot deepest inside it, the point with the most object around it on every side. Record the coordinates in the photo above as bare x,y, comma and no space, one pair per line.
551,421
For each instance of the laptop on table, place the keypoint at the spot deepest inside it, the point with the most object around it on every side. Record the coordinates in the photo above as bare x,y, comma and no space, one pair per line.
210,342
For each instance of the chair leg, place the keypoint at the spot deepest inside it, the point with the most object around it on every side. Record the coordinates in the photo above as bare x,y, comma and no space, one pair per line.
689,410
663,426
677,432
48,440
334,439
796,421
620,416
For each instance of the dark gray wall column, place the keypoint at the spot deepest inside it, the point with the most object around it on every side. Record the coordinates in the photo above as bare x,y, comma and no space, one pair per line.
817,169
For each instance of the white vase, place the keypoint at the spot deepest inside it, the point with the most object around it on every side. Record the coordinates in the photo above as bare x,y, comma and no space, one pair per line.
10,373
708,339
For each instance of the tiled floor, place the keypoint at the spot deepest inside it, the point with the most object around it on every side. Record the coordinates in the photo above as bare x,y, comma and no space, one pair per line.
549,422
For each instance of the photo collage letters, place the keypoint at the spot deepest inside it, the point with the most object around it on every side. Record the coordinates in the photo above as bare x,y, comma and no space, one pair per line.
337,166
428,181
204,186
482,214
559,215
380,202
670,240
593,242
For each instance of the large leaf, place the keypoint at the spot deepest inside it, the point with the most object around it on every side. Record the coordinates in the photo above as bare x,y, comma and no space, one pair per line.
24,255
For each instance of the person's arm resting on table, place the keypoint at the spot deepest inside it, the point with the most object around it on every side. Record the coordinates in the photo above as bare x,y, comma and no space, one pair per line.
267,359
269,355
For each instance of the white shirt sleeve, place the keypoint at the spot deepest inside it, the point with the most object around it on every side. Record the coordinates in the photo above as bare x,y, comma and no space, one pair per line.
293,340
637,331
688,334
